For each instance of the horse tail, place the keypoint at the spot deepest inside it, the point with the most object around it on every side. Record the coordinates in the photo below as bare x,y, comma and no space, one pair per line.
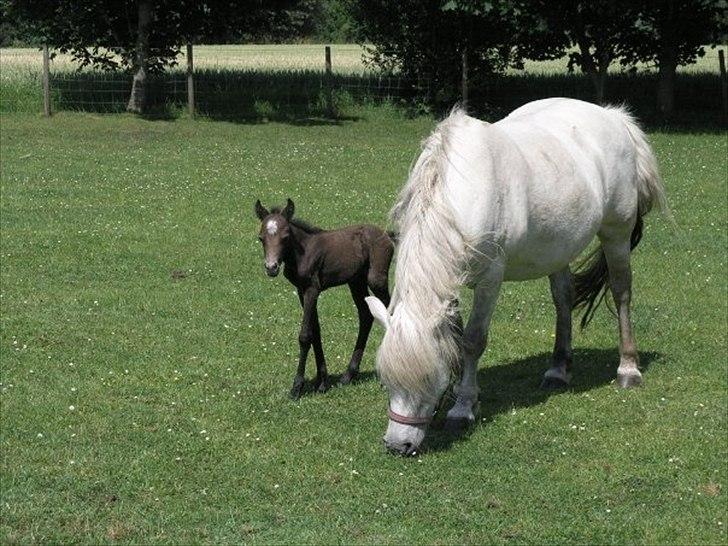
650,189
592,275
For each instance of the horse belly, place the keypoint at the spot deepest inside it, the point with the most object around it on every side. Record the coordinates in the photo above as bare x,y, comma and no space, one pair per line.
548,244
548,259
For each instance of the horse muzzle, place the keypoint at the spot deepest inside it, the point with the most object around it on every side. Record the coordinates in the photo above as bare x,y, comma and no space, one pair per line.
404,439
272,270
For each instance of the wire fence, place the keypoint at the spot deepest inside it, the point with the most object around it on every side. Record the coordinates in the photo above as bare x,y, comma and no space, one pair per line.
226,85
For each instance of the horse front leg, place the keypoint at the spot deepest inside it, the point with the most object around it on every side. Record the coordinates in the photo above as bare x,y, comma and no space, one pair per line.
475,339
308,298
562,293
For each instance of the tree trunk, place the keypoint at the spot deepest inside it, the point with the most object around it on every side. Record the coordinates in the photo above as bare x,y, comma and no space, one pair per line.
597,72
138,96
599,79
666,78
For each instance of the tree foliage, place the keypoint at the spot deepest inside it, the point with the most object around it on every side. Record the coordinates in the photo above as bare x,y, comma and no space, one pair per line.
593,33
104,34
426,39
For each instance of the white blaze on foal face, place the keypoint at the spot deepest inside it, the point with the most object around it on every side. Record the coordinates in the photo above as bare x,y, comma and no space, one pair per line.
271,227
273,234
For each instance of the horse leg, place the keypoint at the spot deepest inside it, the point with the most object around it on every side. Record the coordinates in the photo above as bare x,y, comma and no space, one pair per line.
321,383
308,298
562,293
617,254
475,339
358,293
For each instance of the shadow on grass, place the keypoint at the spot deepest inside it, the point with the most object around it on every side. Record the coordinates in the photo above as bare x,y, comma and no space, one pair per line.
364,376
301,97
518,385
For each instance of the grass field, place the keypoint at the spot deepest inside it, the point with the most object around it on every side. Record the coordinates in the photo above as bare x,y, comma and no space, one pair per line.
347,58
146,358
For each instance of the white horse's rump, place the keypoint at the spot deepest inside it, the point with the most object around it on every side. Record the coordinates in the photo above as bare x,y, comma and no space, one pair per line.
519,199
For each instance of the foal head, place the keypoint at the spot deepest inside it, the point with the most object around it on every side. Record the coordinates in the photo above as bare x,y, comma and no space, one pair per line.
275,234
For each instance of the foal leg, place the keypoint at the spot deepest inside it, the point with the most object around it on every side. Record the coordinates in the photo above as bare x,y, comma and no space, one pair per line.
562,292
475,339
617,254
308,298
378,274
358,293
321,383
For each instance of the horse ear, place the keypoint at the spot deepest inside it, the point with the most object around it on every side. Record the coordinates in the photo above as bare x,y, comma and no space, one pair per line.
260,210
378,311
288,211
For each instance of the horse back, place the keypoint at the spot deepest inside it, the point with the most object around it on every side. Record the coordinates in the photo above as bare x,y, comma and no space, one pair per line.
342,255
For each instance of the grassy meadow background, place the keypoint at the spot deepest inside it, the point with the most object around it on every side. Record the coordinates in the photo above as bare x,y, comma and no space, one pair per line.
145,358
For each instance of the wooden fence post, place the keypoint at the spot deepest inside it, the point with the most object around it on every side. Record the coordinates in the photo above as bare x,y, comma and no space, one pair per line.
190,81
723,81
464,83
329,84
46,82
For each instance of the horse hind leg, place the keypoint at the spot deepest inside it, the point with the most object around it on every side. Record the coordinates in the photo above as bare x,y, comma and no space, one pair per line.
562,293
617,254
358,293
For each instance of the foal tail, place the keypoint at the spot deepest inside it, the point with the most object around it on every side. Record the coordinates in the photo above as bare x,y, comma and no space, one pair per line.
592,275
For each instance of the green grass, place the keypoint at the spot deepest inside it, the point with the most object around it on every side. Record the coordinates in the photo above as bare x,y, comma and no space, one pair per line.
181,429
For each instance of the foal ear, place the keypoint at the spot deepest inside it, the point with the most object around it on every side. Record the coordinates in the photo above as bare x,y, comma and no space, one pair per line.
260,210
378,311
288,211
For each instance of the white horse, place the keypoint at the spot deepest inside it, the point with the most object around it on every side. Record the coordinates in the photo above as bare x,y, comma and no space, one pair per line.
510,201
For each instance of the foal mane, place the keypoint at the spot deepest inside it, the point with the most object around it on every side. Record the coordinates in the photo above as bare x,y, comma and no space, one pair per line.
298,222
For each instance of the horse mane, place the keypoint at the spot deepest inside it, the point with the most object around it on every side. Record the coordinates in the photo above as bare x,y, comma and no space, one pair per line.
298,222
420,350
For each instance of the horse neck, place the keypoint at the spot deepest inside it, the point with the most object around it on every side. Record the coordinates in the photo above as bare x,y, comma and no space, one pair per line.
296,246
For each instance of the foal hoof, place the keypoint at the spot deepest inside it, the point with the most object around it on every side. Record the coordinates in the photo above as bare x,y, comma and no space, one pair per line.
554,384
347,378
629,379
295,393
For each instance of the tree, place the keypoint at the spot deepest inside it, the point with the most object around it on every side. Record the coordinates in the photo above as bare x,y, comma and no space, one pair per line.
425,39
595,28
671,33
142,37
547,29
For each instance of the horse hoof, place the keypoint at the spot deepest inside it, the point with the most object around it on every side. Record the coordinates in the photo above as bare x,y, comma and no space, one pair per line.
553,383
455,425
321,386
295,393
630,379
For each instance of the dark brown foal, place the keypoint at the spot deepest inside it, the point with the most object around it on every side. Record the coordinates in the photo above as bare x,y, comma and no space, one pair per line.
315,260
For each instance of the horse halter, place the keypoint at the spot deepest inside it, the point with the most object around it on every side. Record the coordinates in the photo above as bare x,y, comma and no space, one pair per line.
404,420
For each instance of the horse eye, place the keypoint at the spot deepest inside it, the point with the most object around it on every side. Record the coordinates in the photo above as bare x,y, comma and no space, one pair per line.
260,238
